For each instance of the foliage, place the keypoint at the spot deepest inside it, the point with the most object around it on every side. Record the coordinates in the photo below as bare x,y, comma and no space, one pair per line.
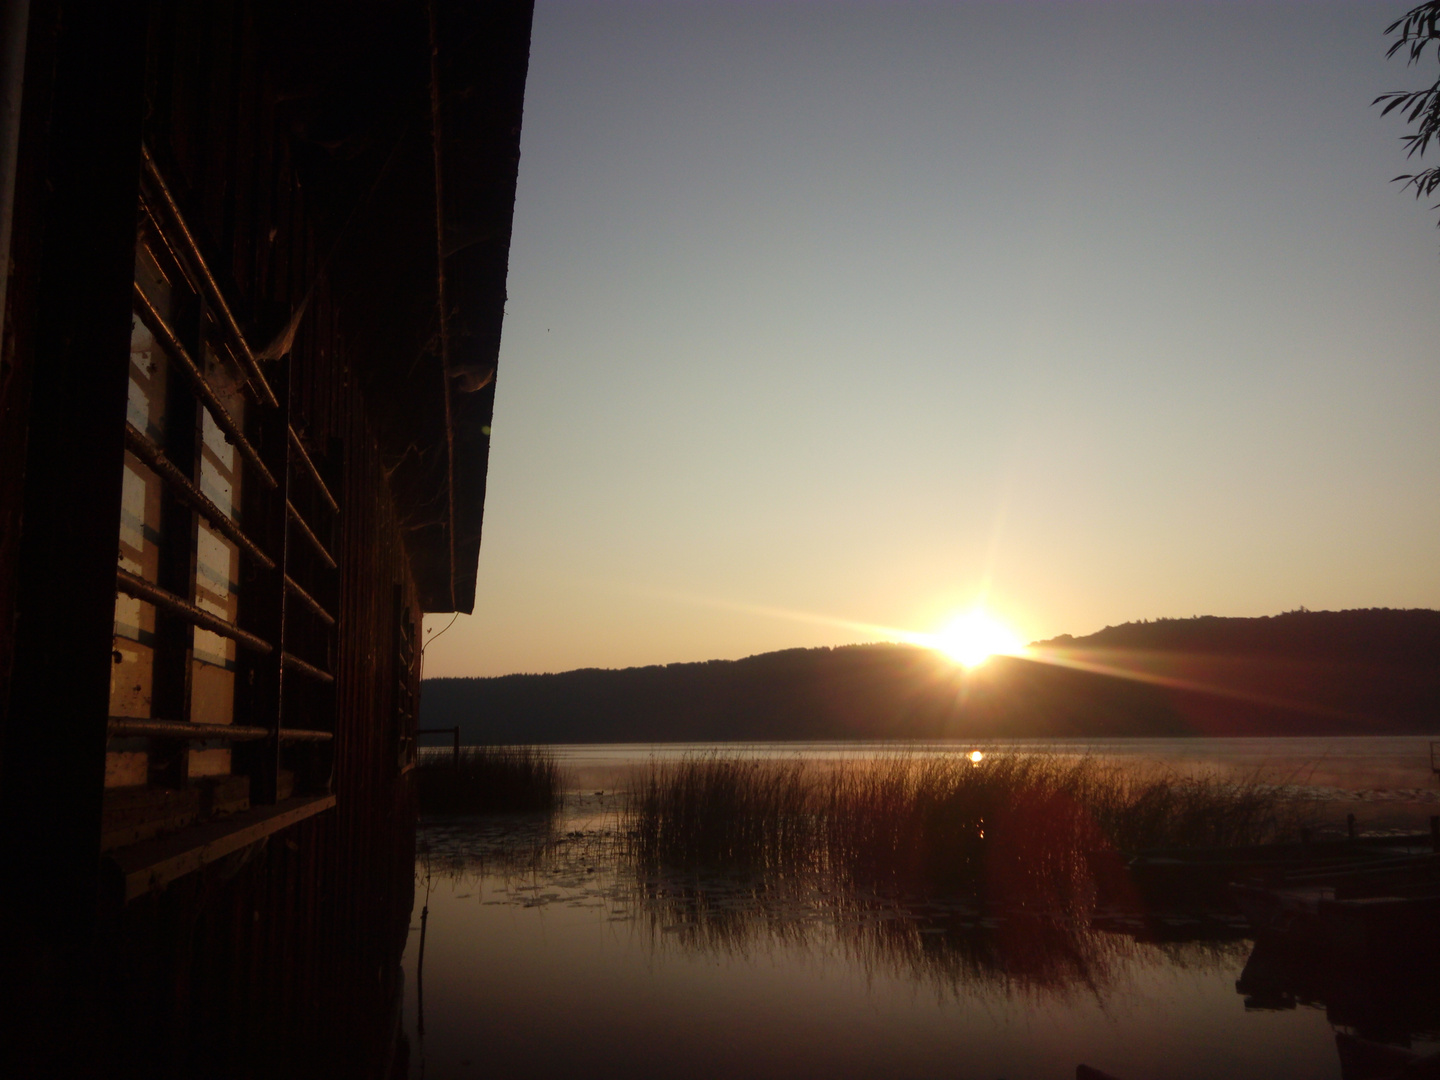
1418,29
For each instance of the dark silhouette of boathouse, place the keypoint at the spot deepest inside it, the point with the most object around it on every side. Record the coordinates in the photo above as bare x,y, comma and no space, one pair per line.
256,260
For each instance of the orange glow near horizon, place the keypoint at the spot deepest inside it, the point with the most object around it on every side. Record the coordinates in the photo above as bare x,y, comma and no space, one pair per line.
969,638
972,638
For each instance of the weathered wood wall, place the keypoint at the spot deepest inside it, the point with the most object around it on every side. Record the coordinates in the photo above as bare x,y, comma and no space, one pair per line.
298,949
281,959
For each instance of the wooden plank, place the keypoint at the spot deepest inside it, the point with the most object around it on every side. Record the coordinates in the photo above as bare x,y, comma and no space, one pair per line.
150,866
133,815
126,768
223,795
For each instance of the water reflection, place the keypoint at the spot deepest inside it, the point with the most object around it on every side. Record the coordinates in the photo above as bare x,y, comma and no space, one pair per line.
550,950
1381,1002
956,946
879,945
951,947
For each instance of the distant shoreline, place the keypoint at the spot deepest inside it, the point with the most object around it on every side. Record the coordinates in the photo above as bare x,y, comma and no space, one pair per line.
1352,673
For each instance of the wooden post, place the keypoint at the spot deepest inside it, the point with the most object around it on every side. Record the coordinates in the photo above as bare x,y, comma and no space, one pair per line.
454,732
267,780
170,686
259,683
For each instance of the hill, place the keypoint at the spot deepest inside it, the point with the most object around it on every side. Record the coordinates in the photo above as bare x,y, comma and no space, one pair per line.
1374,671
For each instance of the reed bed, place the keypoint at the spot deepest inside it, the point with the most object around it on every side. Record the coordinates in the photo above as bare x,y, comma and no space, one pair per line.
1023,828
490,779
735,812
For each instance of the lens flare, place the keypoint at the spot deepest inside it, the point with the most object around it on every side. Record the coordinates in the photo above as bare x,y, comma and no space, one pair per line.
972,638
975,757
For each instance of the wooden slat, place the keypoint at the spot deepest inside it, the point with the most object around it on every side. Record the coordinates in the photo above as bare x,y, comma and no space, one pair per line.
132,727
141,589
309,601
314,473
207,280
153,864
203,390
309,534
294,663
145,449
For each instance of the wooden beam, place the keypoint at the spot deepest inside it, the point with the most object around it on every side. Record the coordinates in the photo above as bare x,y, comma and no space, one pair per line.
129,726
212,291
141,589
186,367
309,601
303,456
189,492
309,535
151,865
294,663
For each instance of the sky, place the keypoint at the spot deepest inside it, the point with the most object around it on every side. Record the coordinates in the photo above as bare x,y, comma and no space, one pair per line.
828,320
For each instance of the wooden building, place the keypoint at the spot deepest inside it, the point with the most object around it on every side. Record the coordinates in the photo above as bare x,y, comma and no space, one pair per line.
256,275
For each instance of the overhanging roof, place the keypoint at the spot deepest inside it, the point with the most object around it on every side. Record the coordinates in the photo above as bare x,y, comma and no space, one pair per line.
386,129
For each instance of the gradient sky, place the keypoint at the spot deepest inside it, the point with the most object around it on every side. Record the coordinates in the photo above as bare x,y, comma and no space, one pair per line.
826,316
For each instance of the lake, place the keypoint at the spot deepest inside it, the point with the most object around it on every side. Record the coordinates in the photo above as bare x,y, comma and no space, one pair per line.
546,954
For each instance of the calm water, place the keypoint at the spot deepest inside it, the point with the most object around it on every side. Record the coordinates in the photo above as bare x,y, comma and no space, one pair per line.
545,956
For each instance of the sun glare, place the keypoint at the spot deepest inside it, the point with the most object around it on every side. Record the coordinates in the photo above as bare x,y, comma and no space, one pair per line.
972,638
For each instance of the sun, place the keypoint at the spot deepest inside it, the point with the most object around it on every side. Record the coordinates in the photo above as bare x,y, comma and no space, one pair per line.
972,638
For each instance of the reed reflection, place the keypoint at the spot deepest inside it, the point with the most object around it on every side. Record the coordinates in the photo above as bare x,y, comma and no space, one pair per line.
948,947
952,947
913,894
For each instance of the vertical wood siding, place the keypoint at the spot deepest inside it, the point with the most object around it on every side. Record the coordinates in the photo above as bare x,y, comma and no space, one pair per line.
283,957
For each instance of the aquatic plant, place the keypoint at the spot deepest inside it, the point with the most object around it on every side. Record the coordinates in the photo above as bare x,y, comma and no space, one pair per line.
489,779
738,812
1166,809
1018,829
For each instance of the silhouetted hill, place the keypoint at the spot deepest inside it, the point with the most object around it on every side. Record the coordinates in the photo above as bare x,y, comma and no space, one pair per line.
1350,672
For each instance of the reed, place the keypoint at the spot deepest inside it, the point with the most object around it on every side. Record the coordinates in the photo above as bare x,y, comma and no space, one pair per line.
490,779
737,812
1021,827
